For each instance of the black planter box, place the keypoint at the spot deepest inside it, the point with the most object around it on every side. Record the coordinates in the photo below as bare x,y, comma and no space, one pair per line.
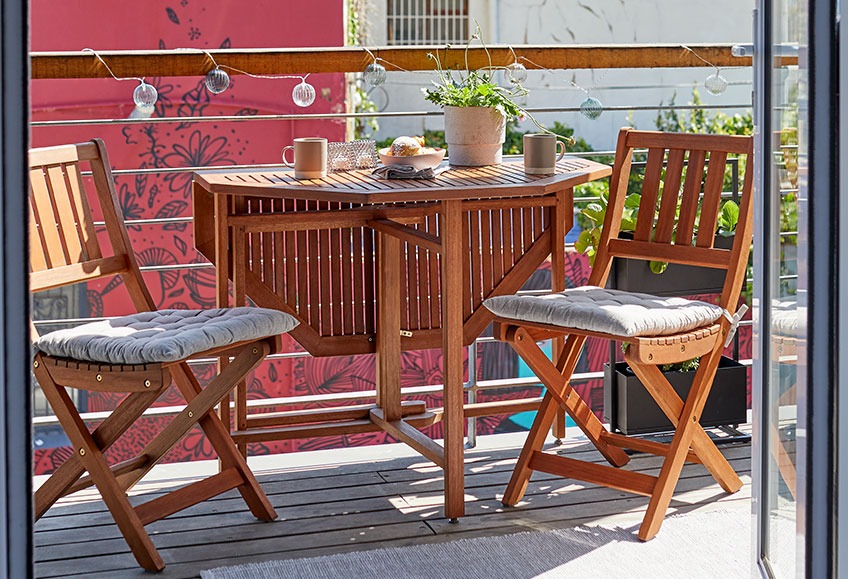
635,275
629,408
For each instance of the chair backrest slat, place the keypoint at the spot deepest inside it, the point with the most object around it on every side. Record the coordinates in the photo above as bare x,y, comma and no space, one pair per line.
650,191
712,198
47,219
64,247
670,195
691,197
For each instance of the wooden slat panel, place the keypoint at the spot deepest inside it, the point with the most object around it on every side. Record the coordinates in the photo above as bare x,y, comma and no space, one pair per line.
278,245
37,249
347,279
268,247
486,269
336,280
369,295
45,214
691,193
424,285
82,211
314,283
358,282
527,226
497,247
415,288
506,238
650,189
712,199
466,262
515,216
476,260
325,281
433,264
65,211
670,196
58,276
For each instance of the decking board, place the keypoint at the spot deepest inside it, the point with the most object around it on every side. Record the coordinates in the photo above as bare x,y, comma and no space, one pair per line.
353,506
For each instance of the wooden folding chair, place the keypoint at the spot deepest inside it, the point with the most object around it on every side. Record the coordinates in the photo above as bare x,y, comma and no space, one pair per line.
137,355
654,330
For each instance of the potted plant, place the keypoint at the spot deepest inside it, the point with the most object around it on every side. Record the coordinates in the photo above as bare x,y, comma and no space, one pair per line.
629,409
477,110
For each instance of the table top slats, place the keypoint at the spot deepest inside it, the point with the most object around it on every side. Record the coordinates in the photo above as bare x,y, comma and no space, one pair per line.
360,186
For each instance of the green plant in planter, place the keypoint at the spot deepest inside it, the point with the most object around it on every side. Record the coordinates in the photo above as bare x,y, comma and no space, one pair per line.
590,237
478,88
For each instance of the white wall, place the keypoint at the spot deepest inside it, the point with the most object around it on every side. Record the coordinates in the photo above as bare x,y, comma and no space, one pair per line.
589,22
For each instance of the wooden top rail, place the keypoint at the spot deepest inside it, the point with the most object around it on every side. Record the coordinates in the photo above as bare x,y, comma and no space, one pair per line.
275,61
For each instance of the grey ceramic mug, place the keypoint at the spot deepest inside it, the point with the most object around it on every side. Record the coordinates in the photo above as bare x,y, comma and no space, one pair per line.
541,153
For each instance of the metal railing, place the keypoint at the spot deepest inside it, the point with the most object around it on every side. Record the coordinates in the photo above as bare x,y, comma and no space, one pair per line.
288,61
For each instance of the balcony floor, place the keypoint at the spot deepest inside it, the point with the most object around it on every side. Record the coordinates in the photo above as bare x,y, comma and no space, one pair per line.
354,499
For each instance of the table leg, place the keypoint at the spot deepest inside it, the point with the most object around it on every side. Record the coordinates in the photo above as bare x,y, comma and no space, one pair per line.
222,281
563,216
388,326
451,298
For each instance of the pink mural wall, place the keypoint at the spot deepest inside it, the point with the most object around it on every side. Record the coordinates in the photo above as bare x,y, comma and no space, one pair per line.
108,25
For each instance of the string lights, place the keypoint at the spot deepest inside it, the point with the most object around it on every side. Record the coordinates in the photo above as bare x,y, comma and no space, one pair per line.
375,73
217,80
591,107
715,83
515,73
144,95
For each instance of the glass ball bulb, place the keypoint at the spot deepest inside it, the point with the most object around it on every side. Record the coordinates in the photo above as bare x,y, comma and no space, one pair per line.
303,94
217,81
715,83
144,96
375,74
591,108
516,73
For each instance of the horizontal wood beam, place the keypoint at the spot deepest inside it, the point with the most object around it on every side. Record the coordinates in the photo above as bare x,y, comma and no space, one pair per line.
167,63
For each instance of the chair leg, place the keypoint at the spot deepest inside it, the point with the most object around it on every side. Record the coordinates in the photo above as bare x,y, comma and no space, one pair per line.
230,456
200,409
92,460
69,472
684,436
535,440
558,385
671,404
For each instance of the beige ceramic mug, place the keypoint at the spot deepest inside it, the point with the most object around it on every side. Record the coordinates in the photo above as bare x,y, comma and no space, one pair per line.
541,153
310,157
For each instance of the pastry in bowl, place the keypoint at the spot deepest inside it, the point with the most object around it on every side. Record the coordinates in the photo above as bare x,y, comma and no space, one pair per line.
411,151
406,146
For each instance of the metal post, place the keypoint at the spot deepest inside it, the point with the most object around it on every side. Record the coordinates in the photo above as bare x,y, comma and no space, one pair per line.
471,388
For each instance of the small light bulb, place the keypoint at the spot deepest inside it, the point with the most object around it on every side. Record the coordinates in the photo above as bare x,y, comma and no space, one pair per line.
516,73
375,74
715,83
591,108
303,94
145,96
217,81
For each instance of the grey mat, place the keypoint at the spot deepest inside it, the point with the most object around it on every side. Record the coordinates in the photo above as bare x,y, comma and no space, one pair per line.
713,544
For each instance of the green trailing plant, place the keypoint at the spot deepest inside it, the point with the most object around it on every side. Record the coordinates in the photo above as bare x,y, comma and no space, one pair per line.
478,88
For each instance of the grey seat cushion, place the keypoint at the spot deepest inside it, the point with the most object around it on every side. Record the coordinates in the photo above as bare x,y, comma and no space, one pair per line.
608,311
164,335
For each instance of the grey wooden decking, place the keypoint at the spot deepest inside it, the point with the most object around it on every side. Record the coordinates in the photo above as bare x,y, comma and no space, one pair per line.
353,499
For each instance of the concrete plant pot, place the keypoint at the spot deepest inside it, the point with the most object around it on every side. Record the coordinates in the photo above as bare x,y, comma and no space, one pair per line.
474,135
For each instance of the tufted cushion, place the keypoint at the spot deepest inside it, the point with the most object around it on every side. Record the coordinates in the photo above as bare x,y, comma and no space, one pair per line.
608,311
788,319
164,335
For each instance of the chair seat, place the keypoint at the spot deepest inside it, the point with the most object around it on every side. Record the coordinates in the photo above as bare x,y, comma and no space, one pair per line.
163,336
608,311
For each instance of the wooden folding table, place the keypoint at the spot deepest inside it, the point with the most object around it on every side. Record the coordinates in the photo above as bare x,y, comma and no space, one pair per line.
380,266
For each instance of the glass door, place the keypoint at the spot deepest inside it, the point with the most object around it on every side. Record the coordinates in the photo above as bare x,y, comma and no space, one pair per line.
780,284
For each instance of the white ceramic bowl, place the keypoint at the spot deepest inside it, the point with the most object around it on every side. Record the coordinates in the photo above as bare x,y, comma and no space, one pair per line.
431,160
